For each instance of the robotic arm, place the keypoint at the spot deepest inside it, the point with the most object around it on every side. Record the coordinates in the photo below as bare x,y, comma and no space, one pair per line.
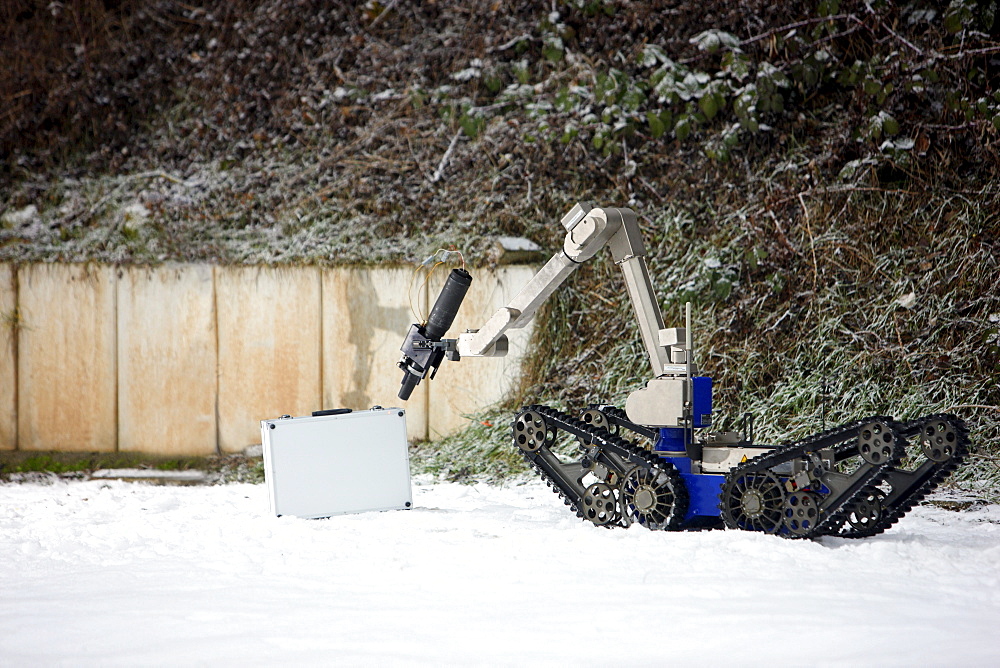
588,229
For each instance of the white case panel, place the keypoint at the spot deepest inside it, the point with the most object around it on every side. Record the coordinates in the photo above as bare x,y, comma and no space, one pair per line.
335,464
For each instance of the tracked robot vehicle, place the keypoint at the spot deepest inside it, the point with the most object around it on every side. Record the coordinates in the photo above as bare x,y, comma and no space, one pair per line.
854,480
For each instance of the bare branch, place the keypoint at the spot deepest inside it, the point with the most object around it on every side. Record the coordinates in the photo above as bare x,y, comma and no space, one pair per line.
439,172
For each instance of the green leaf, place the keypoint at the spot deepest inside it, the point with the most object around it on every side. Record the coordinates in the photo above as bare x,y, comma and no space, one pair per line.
777,282
736,64
570,132
771,75
755,255
875,126
656,126
847,77
653,55
493,83
632,99
563,100
953,22
722,287
743,106
521,72
683,128
828,7
552,48
871,87
606,90
807,74
708,105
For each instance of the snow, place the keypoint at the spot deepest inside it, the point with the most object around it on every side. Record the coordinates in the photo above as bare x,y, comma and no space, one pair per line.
21,216
119,573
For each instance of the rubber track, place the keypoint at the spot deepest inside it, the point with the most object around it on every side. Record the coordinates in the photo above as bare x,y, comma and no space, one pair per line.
631,453
840,439
617,417
918,494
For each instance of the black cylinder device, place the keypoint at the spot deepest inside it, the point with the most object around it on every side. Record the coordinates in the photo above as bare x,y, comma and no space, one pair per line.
420,354
447,304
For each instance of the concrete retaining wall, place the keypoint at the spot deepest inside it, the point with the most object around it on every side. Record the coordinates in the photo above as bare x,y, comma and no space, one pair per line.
8,360
66,358
269,348
366,314
167,360
463,386
186,359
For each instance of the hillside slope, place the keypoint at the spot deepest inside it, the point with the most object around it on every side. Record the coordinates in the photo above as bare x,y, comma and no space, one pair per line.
820,179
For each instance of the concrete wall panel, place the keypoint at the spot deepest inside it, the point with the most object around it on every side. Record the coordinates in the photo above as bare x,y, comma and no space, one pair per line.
269,348
475,383
145,359
8,371
66,358
167,360
366,315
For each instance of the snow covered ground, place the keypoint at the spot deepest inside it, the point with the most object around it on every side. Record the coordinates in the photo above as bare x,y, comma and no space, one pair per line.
116,573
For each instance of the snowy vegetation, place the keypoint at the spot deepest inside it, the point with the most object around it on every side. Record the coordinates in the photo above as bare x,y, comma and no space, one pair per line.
819,178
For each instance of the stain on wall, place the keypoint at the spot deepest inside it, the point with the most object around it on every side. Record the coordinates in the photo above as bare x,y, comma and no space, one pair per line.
188,359
269,348
366,314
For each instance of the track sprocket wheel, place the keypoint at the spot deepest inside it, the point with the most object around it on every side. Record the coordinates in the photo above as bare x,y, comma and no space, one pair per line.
801,513
866,513
877,443
595,418
753,502
600,505
531,431
650,498
938,440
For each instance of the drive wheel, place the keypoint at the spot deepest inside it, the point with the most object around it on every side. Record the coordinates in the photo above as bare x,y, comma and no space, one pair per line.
653,499
753,502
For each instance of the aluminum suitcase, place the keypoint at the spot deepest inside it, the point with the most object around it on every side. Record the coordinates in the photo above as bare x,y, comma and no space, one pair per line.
337,462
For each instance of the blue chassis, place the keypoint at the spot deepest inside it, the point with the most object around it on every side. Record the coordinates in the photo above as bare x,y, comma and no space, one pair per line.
703,489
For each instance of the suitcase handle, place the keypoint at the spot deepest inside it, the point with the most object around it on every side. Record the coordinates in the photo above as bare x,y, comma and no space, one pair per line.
331,411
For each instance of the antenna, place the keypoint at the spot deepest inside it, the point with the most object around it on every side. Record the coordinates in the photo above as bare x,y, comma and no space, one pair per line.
688,337
689,344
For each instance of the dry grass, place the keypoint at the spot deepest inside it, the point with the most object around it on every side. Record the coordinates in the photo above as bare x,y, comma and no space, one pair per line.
851,216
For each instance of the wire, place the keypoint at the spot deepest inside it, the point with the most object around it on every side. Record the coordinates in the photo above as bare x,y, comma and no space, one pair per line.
428,266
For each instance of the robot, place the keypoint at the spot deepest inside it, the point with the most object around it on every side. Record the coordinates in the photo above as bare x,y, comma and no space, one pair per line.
853,481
